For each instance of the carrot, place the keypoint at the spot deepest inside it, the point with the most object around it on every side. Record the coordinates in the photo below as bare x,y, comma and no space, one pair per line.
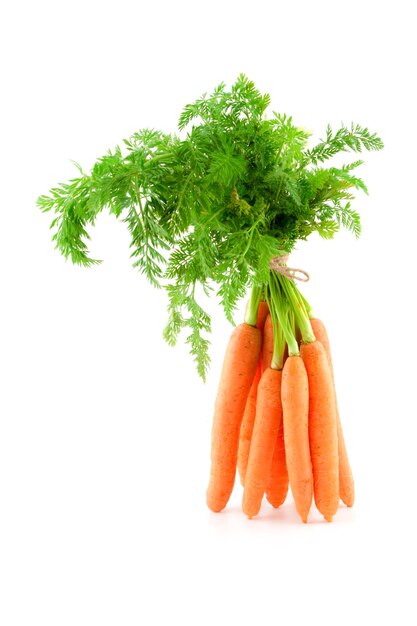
322,429
250,408
247,426
295,406
263,312
277,487
239,366
267,343
346,483
265,431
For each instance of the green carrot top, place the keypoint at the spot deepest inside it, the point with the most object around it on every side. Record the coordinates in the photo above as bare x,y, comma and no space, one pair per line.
209,207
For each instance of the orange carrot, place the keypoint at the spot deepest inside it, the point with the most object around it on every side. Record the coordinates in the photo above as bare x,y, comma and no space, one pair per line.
322,429
277,487
265,431
239,366
247,426
263,312
267,344
295,406
250,408
346,484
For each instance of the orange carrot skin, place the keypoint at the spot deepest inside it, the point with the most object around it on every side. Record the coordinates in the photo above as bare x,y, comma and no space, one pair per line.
247,426
295,406
320,334
277,488
239,366
346,483
263,312
267,344
250,408
265,432
322,429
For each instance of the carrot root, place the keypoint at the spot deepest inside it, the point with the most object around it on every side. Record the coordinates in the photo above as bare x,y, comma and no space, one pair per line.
295,406
265,431
239,366
346,482
277,488
247,426
322,429
267,343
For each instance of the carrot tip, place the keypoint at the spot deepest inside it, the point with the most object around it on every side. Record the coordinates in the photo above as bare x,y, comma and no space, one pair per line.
274,503
328,518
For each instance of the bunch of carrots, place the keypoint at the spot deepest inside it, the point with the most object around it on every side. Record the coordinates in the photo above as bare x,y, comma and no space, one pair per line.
276,416
218,207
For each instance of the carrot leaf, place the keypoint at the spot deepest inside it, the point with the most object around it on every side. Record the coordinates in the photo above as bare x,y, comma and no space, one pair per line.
207,208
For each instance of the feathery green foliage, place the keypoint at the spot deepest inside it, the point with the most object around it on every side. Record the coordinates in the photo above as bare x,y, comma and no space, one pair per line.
207,209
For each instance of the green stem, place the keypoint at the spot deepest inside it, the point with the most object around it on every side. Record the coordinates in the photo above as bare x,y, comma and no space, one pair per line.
251,315
279,308
277,362
292,322
248,245
307,305
297,305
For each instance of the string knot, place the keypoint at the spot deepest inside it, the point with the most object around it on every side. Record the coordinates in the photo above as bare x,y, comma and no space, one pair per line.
279,264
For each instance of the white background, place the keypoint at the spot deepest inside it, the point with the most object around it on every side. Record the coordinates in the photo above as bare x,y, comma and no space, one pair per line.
104,431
